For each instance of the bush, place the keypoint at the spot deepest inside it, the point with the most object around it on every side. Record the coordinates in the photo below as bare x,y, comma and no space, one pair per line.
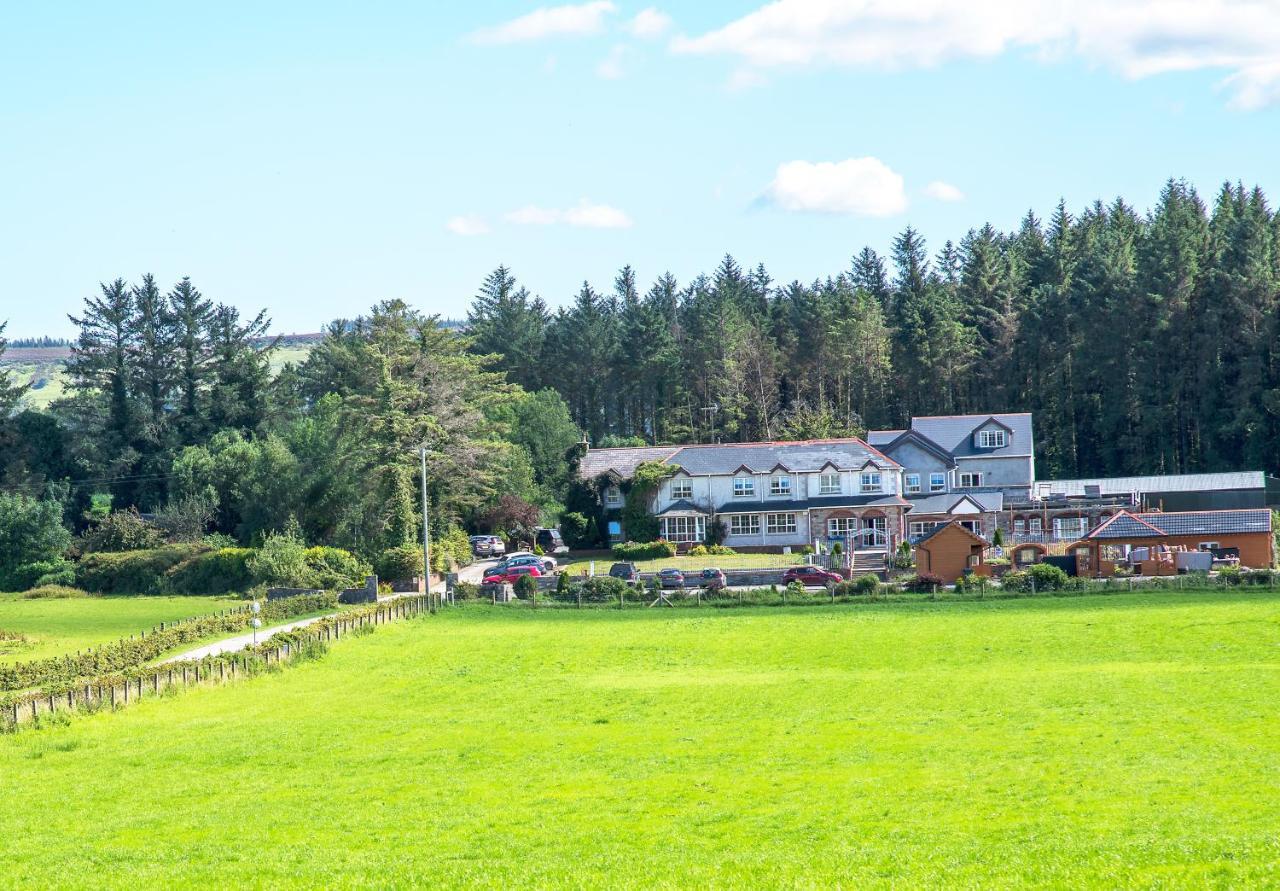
123,530
64,576
466,591
714,550
1040,577
131,572
574,529
925,582
42,572
282,561
31,531
526,587
866,584
1230,575
645,550
336,568
54,592
600,588
1261,576
399,564
450,550
213,572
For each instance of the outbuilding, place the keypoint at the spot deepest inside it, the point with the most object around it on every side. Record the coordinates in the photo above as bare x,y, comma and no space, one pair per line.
1244,533
949,550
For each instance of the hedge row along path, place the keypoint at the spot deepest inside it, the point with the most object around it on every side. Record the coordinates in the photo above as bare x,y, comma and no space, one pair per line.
117,690
241,642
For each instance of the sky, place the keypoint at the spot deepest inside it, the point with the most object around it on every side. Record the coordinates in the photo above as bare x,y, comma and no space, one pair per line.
316,157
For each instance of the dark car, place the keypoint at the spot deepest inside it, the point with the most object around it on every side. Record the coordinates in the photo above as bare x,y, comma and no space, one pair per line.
625,571
713,580
550,541
671,578
810,575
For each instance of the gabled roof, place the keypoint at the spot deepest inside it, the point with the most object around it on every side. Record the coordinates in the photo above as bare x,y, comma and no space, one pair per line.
1200,522
622,461
682,506
955,433
919,439
987,502
807,456
938,530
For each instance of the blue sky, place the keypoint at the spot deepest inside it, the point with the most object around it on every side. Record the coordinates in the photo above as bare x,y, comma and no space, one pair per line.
315,157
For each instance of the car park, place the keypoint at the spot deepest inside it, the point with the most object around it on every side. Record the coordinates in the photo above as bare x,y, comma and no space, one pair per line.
811,575
625,571
524,558
510,574
487,546
671,578
713,580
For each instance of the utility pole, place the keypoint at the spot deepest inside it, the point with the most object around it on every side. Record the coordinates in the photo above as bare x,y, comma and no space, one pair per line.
426,540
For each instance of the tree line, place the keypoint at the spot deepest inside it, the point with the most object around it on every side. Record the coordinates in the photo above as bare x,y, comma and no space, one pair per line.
1143,343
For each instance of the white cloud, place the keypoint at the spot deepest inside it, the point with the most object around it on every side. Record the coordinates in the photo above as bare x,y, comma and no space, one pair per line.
862,186
650,22
467,225
584,215
1137,38
610,67
573,20
940,191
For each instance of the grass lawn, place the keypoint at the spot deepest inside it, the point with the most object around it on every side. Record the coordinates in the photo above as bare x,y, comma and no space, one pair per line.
1103,741
58,627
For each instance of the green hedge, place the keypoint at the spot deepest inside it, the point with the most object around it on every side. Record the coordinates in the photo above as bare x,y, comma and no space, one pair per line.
336,568
213,572
644,550
135,651
132,572
400,564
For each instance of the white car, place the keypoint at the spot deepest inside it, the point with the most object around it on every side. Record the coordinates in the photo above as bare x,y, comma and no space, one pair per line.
522,558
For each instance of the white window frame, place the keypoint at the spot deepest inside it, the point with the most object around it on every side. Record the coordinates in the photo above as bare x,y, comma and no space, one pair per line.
974,526
692,530
749,523
842,527
744,487
871,481
917,528
613,497
1019,526
681,489
1208,546
780,524
992,439
1080,525
779,487
912,482
826,486
1035,526
974,478
937,482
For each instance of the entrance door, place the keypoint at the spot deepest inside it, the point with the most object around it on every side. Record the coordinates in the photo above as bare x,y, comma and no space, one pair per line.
874,532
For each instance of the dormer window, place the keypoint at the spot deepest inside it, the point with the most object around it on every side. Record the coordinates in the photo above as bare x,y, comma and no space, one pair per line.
744,487
829,484
780,486
992,439
613,497
682,488
871,481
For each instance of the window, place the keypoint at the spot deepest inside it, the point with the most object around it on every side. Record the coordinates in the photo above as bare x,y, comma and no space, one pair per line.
991,439
973,526
1036,526
613,497
682,488
1069,527
829,484
744,524
1208,546
1019,526
744,487
970,480
920,527
871,481
913,483
780,486
780,524
841,527
937,482
684,529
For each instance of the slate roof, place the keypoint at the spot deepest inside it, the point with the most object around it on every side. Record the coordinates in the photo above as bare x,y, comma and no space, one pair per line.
808,456
1187,482
782,505
683,506
937,530
623,461
955,433
992,502
1200,522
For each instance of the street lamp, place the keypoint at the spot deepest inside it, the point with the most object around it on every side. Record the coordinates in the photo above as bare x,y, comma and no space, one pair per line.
255,608
426,543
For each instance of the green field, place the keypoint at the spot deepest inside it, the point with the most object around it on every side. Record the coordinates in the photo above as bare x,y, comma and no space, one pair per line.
57,627
1103,741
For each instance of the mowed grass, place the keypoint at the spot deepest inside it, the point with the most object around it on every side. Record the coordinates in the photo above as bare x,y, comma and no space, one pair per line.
1124,741
59,627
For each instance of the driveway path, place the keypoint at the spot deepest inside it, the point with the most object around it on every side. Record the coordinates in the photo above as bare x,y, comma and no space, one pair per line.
239,642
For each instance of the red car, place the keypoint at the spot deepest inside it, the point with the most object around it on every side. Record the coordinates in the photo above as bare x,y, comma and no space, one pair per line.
510,574
810,575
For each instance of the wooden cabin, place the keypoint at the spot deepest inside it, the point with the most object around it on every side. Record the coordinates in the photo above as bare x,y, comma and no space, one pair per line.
949,550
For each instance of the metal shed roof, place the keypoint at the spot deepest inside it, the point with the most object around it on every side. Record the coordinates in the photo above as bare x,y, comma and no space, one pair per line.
1186,482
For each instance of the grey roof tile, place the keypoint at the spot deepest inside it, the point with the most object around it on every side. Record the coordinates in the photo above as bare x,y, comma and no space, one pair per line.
1205,522
955,433
1186,482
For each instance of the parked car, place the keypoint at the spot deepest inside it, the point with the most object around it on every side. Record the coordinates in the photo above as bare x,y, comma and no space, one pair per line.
713,580
550,541
524,558
810,575
510,574
625,571
671,578
487,546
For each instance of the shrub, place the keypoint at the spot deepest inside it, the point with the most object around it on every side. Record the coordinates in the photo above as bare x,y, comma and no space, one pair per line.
450,550
805,550
1040,577
213,572
926,582
600,588
714,550
54,592
466,591
1230,575
63,576
1261,576
42,572
562,583
866,584
31,531
219,540
400,563
646,550
796,589
336,568
526,587
716,532
123,530
574,528
282,560
131,572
